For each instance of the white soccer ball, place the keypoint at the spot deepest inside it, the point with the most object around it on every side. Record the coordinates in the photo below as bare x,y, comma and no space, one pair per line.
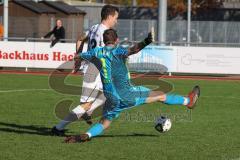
163,124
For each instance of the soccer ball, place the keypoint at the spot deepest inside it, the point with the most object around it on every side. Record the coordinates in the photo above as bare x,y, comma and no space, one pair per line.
163,124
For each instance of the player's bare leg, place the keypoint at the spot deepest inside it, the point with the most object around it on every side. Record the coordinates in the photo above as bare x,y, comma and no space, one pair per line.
188,101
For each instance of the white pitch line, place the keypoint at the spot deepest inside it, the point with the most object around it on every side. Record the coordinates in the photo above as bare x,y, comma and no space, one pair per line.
23,90
224,97
29,90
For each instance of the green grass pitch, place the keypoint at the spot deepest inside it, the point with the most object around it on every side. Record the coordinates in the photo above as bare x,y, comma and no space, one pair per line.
210,131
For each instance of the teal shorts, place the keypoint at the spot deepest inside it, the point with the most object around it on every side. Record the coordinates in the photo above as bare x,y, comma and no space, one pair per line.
137,96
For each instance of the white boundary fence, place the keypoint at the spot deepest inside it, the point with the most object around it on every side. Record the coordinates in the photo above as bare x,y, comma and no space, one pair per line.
187,59
35,54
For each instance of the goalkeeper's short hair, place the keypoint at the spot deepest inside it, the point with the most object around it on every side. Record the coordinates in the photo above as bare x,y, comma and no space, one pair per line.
110,36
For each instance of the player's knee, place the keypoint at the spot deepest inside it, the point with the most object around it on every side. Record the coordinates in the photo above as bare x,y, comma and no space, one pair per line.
106,123
162,97
86,106
156,96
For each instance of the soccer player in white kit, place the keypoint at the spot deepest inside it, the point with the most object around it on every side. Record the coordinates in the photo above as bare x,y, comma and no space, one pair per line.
92,95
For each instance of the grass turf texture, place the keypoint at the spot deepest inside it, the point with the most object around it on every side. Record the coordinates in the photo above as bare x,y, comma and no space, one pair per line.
210,131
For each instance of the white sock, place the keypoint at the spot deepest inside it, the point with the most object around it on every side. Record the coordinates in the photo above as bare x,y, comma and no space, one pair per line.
186,101
89,134
71,117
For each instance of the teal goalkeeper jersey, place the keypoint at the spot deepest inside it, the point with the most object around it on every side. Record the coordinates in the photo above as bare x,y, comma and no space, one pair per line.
111,63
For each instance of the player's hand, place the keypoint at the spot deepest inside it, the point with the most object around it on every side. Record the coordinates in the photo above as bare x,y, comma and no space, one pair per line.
149,38
77,63
77,58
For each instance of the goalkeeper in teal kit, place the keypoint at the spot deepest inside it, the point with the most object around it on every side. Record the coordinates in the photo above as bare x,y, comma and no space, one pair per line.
119,92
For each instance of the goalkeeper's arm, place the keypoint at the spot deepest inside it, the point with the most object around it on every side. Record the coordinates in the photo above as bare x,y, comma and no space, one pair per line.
139,46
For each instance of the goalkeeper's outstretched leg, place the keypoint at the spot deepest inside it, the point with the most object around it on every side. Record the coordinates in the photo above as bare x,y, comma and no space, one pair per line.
154,96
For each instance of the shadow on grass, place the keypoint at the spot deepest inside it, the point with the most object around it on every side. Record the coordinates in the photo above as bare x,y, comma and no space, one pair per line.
129,135
25,129
44,131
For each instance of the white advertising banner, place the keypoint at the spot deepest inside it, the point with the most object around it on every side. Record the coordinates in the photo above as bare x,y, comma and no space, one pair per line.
176,59
36,55
155,58
208,60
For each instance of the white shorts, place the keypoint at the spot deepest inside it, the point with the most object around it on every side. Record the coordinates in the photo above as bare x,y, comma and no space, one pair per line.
92,84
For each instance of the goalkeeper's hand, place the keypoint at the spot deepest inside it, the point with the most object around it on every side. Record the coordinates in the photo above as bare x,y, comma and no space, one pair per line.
148,39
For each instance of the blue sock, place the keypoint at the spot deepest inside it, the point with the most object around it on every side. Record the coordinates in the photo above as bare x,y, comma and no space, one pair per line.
176,99
95,130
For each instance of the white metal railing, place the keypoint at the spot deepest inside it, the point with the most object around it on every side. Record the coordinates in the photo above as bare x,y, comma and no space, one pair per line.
172,43
31,39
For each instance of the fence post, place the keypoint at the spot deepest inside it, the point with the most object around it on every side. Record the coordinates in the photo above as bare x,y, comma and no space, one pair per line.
26,69
131,30
211,32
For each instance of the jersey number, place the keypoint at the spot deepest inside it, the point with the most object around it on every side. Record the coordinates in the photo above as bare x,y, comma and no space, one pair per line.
93,43
104,67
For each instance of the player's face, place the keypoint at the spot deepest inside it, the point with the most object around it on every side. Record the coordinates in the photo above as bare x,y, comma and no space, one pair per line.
59,23
113,19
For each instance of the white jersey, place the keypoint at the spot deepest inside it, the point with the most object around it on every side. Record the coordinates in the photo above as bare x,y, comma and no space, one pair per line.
95,36
92,83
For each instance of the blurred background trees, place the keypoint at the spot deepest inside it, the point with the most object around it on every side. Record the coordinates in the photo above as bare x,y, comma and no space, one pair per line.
202,10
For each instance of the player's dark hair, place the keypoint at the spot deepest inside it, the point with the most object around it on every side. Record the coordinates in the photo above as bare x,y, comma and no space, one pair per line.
108,10
110,36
